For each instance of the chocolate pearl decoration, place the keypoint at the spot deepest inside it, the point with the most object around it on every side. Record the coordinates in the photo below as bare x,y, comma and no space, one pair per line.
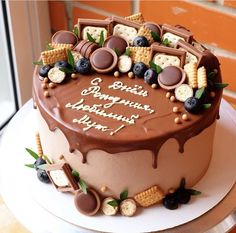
131,74
46,93
103,189
44,85
52,85
154,86
177,120
45,80
185,117
172,98
116,74
175,109
168,95
74,76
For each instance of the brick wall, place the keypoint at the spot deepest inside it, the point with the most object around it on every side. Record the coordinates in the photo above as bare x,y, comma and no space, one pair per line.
213,23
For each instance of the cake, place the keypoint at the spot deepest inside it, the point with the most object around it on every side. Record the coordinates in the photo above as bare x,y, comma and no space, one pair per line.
127,109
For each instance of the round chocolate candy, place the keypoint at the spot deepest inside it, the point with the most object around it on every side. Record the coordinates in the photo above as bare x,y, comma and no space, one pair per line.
64,37
116,43
171,77
103,60
153,27
87,204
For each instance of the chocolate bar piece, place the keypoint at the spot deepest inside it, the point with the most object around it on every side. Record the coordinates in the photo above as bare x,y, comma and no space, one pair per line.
171,31
119,20
192,52
171,54
82,23
61,176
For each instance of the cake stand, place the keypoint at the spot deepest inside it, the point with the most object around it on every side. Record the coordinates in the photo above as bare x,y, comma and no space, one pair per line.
32,205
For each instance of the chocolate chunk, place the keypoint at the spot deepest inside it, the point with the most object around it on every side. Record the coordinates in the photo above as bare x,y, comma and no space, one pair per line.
64,37
153,27
103,60
116,42
171,77
87,204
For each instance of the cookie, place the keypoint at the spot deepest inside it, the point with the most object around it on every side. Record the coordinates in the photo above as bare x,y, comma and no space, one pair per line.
95,32
191,71
149,197
61,46
52,56
201,77
164,60
147,33
126,32
173,39
140,54
183,92
138,18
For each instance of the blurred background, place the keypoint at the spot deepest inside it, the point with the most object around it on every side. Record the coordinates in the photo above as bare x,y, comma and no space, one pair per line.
26,28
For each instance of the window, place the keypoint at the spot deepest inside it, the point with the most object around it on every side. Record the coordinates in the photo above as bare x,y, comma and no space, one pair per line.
8,98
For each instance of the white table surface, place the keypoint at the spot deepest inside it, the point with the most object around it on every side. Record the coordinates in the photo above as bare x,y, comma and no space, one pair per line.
39,220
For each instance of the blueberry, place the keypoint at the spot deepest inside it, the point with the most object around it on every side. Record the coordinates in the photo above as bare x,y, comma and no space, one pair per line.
170,201
183,195
83,66
38,162
192,105
43,71
150,76
140,41
61,64
43,176
139,69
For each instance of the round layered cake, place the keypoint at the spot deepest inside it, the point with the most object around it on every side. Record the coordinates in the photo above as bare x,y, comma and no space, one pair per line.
128,105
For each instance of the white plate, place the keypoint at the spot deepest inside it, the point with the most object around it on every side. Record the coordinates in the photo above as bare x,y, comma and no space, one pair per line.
21,181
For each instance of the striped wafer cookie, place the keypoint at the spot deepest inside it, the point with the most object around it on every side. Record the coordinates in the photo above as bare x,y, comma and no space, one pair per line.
191,71
59,46
149,197
146,32
201,77
137,18
39,145
52,56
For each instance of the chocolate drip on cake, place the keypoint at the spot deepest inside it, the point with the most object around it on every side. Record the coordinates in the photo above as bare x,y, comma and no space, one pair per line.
150,131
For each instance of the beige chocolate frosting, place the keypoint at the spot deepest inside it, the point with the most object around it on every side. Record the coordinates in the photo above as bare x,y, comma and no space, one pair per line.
143,119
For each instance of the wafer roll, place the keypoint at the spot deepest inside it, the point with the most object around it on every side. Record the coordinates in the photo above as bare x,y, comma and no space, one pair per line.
191,71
